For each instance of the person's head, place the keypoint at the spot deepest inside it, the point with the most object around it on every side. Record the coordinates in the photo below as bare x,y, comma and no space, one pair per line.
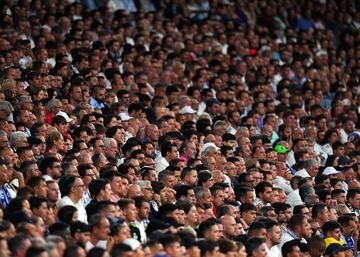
128,208
229,225
348,225
244,194
291,248
317,246
39,206
332,229
36,251
257,229
172,246
80,232
51,166
263,191
273,232
209,230
71,186
169,151
209,248
121,250
300,226
99,227
189,176
320,212
100,189
248,213
256,247
335,250
353,198
68,214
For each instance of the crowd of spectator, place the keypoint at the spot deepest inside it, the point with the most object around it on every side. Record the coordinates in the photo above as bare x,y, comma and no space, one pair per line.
195,128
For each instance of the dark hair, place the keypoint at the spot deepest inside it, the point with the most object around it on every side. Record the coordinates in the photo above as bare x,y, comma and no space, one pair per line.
296,220
119,250
253,244
66,214
288,247
66,183
34,251
96,186
35,202
260,188
317,209
330,226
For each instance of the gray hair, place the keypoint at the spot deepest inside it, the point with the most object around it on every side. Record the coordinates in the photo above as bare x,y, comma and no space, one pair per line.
142,183
54,239
107,141
15,136
52,103
199,192
308,164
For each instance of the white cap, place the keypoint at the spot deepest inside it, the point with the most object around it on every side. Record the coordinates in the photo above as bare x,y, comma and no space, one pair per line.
187,110
330,171
124,116
64,114
207,145
133,243
303,173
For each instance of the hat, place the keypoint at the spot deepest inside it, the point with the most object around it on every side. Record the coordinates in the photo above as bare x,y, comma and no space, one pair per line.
335,248
207,145
79,227
124,116
212,101
64,114
133,243
330,171
6,106
281,149
176,134
344,161
354,136
187,110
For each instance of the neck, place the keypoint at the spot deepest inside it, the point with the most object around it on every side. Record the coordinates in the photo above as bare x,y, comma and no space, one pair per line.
74,198
93,239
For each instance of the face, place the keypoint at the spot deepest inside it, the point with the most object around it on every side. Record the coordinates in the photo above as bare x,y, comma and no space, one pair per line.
355,201
249,216
53,192
213,233
102,232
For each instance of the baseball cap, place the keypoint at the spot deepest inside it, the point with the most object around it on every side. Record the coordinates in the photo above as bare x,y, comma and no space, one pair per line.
207,145
330,171
133,243
344,161
124,116
79,227
187,110
335,248
281,149
64,114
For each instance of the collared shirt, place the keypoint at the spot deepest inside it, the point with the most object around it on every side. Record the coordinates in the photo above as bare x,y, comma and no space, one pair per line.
81,209
95,104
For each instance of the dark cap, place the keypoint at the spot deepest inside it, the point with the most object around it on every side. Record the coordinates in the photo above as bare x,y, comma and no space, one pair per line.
335,248
176,134
79,227
212,101
344,161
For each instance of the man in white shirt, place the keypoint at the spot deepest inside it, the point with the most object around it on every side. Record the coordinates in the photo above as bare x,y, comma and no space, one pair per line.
298,228
72,191
273,236
169,152
100,230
